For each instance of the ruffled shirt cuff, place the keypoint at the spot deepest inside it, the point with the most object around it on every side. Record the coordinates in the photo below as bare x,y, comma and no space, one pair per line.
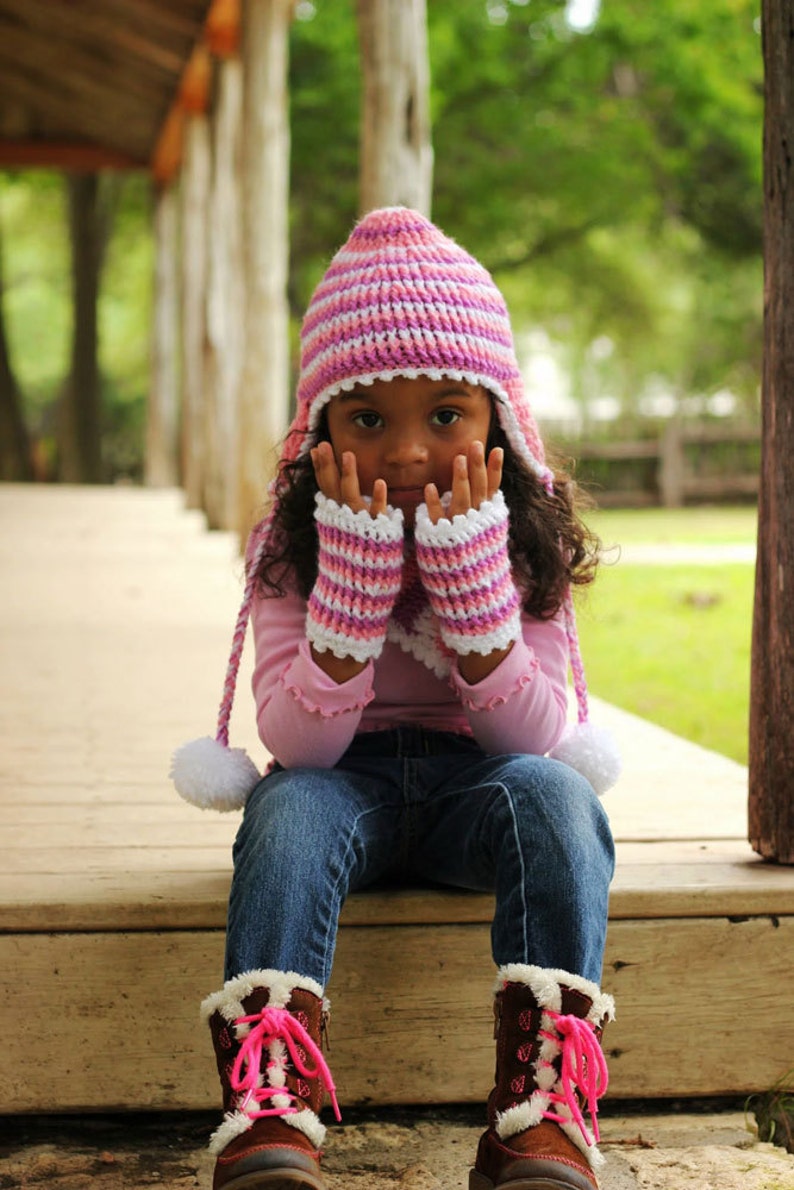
319,694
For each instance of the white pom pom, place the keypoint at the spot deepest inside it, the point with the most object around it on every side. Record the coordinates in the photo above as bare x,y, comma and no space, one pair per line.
593,752
213,777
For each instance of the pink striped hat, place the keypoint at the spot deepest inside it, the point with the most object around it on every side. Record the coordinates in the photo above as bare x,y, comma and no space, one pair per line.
399,298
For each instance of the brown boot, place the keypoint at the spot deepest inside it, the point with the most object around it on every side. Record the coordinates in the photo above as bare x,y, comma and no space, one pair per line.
548,1060
266,1028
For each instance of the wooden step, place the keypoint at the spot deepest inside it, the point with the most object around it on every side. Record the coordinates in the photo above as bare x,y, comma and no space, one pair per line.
115,622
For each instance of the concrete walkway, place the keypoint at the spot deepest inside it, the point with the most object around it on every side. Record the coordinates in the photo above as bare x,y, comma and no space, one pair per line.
428,1150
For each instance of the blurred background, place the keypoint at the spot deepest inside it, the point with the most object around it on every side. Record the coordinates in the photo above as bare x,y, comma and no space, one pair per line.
602,159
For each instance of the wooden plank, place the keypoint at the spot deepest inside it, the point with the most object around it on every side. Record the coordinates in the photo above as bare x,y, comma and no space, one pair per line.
191,886
79,861
75,155
411,1014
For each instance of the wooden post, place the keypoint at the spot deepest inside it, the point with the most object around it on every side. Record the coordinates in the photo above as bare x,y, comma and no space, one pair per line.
771,802
224,318
672,465
194,196
264,386
161,466
396,166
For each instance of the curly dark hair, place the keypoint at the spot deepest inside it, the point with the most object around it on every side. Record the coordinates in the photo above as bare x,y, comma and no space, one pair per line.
550,545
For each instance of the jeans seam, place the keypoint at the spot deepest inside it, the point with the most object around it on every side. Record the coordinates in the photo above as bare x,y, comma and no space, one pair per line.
523,882
332,923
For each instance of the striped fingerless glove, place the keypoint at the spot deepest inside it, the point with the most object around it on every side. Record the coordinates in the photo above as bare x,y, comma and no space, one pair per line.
359,570
465,569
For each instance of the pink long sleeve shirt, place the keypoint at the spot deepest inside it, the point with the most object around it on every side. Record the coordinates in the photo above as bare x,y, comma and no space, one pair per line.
305,718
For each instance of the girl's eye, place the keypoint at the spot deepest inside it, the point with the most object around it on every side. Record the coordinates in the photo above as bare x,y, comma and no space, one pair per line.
445,417
368,420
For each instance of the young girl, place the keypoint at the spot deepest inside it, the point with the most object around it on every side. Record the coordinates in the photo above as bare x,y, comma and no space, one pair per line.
409,592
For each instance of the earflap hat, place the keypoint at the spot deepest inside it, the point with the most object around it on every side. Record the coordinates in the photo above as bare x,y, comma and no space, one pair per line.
399,298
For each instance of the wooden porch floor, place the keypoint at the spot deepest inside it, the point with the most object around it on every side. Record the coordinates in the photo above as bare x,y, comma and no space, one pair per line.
116,610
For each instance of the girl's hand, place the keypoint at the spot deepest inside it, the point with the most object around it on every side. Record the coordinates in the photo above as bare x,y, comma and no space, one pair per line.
473,481
342,485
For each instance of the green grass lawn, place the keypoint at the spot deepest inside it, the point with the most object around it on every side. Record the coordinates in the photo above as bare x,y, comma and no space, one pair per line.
711,525
672,643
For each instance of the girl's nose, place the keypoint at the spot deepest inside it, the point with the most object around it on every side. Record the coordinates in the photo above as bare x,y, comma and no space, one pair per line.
404,450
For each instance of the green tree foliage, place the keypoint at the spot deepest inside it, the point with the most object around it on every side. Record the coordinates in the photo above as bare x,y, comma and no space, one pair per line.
38,311
610,178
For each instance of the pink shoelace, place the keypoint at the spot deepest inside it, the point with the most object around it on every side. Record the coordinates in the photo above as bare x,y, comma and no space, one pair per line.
268,1026
583,1069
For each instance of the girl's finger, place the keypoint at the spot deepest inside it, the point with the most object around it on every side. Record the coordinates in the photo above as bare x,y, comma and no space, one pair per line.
351,492
326,471
478,477
435,508
495,464
380,496
461,491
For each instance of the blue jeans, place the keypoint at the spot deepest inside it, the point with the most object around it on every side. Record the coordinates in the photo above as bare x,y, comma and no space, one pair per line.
425,807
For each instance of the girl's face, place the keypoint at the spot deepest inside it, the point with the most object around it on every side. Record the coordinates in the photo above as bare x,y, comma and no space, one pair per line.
408,433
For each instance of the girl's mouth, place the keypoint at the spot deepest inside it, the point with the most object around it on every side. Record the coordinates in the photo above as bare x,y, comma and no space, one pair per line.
407,500
400,496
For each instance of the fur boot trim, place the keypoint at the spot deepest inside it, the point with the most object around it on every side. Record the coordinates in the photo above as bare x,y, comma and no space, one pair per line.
233,1124
280,984
546,984
236,1123
307,1122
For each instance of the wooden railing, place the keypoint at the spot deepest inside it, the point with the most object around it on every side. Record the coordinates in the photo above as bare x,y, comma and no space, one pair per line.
684,465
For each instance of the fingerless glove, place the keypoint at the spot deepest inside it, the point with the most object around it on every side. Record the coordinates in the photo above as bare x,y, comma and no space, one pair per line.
465,569
359,569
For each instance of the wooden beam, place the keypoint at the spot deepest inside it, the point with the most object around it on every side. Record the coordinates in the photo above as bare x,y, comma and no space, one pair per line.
221,36
61,102
192,98
93,71
223,28
74,156
771,798
133,28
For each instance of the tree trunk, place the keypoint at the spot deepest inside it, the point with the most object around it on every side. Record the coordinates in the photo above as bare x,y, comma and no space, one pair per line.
79,420
225,304
771,802
264,383
162,425
396,167
194,194
16,462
